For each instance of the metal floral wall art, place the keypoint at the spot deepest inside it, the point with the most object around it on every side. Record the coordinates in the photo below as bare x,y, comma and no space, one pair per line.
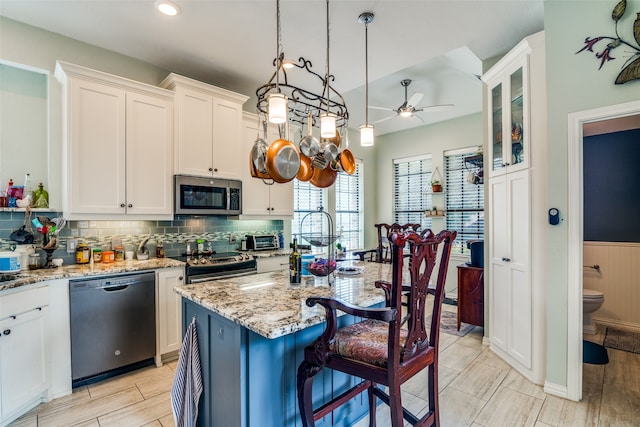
631,68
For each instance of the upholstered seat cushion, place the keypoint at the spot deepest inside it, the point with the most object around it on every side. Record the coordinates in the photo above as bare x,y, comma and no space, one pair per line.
366,341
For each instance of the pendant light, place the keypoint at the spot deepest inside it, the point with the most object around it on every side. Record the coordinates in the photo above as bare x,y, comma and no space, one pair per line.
277,102
327,119
366,130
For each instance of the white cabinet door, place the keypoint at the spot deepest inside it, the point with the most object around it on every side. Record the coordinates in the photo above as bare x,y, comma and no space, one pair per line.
148,155
508,106
169,313
23,359
510,261
194,136
95,179
227,139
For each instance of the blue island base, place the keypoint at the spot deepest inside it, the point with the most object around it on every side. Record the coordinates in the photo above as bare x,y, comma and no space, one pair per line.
250,380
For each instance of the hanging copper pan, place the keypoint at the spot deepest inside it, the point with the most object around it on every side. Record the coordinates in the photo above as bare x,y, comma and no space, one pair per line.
347,161
283,161
323,178
306,170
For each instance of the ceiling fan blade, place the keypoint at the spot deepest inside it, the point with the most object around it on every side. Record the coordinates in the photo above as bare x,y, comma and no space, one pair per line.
373,107
383,120
415,99
436,108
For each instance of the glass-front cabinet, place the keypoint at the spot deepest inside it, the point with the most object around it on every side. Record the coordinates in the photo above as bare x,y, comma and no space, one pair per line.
507,97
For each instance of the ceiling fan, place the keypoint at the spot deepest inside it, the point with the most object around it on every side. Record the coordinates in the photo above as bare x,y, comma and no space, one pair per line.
408,107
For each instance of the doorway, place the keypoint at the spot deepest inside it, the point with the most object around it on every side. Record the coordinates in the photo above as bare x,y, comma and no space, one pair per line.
577,123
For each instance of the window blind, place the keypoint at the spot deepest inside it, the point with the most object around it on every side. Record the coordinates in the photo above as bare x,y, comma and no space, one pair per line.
464,202
349,219
306,199
412,190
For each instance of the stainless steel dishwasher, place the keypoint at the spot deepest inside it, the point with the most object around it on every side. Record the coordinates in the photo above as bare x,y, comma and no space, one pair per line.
113,323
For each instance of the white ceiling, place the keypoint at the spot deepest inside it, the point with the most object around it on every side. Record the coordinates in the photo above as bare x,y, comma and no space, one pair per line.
439,44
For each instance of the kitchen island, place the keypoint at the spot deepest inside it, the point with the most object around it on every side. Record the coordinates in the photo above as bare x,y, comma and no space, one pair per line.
252,331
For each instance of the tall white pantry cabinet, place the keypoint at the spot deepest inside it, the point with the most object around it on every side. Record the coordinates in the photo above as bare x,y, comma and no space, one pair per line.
516,164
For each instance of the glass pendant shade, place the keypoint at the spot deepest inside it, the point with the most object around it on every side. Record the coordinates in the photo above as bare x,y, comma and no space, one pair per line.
277,105
366,135
327,125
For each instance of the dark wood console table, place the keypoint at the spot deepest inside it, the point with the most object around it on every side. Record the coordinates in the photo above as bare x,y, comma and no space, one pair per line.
470,295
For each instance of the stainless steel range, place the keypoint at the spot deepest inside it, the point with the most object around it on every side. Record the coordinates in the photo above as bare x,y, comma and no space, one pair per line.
205,266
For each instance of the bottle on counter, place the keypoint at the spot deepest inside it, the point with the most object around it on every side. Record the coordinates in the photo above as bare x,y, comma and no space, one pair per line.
27,192
40,197
295,264
160,250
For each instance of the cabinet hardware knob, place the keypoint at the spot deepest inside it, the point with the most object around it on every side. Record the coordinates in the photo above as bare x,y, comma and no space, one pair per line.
180,278
210,169
13,317
122,205
505,259
6,332
130,205
215,170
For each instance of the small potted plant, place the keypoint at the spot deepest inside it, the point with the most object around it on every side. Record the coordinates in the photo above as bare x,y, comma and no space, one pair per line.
436,184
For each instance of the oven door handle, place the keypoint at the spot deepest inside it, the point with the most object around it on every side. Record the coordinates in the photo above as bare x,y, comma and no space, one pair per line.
226,276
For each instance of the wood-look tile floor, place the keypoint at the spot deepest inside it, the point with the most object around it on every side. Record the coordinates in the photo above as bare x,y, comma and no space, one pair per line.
477,389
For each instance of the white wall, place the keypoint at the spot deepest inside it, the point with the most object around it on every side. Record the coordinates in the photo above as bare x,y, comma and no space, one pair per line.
435,140
574,83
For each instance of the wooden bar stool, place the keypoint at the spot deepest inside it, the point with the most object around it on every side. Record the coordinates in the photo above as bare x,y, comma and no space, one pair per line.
387,347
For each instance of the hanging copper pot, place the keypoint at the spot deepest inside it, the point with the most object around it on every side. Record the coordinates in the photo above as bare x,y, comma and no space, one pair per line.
283,161
306,170
323,178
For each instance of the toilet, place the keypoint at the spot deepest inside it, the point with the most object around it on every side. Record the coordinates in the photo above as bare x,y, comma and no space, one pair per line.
591,301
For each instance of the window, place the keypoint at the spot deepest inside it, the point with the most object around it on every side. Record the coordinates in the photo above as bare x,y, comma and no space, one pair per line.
464,201
306,199
349,219
412,190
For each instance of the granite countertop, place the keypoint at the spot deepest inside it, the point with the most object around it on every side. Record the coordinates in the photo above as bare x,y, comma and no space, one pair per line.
269,305
76,271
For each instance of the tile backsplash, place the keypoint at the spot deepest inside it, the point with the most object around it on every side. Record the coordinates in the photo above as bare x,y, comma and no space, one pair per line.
174,235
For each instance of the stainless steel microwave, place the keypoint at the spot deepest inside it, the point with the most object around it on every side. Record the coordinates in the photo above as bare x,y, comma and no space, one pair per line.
196,195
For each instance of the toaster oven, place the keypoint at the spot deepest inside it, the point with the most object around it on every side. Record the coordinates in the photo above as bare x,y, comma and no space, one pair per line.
261,242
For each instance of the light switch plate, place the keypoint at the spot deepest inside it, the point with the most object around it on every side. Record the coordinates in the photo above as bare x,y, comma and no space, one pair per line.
71,245
232,238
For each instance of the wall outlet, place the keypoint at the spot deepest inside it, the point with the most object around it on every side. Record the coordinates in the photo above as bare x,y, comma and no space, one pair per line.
232,238
71,245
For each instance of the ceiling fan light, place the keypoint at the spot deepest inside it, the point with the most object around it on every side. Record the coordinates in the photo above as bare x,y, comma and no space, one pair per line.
406,113
167,7
366,135
277,107
327,125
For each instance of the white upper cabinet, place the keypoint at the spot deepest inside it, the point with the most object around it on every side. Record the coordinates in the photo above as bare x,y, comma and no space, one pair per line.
208,130
508,107
117,146
262,198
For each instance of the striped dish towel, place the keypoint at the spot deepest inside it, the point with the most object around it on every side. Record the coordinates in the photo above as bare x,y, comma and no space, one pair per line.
187,384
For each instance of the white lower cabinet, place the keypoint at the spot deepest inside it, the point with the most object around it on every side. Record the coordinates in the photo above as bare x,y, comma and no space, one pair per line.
169,311
272,263
24,351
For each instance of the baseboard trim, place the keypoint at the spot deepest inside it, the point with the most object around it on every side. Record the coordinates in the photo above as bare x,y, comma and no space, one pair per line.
617,324
556,390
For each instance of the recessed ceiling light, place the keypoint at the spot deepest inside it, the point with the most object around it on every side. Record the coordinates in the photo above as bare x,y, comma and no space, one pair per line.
167,7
